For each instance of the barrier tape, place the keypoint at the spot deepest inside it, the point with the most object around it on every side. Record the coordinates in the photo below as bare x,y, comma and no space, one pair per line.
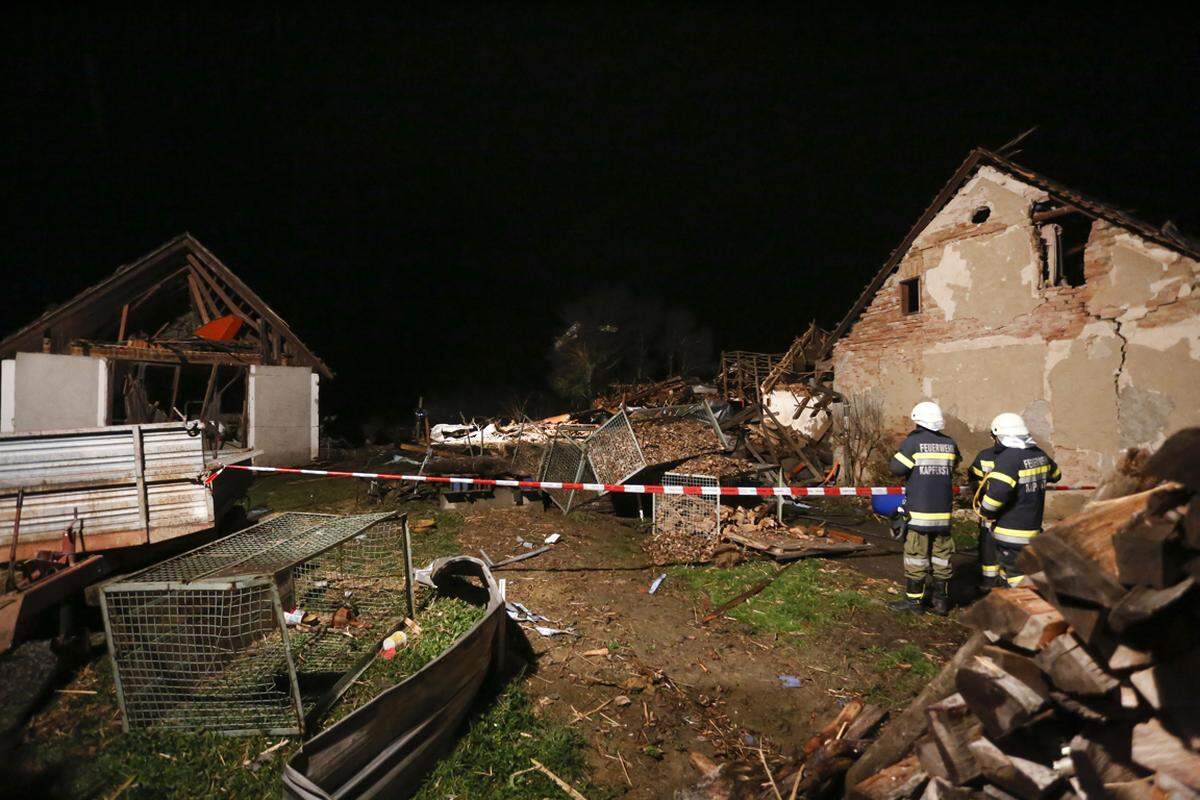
626,488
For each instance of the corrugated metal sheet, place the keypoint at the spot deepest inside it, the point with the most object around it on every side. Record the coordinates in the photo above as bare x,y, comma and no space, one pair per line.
94,472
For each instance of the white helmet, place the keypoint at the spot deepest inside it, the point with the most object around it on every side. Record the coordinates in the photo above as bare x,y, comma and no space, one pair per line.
928,415
1009,424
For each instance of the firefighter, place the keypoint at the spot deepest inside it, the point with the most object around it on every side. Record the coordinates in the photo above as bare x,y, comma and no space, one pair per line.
1014,492
926,459
980,467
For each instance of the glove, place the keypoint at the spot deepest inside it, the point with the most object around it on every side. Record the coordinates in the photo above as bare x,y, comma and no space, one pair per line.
900,524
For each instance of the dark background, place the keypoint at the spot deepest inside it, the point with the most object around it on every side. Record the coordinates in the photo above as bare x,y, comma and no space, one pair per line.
419,195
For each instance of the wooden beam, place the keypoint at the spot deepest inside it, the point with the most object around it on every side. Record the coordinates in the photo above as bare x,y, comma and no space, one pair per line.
202,290
206,277
164,355
146,295
197,299
124,320
1055,213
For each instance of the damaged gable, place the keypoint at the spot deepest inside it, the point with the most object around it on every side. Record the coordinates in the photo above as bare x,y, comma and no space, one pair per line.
1034,299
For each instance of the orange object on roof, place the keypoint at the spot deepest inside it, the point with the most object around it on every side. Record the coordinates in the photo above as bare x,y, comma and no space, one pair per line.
221,329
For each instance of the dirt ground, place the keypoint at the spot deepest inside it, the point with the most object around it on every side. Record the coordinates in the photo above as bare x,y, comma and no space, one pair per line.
669,684
640,677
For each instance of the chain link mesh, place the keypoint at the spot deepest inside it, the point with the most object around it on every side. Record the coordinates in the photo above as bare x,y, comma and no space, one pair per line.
687,515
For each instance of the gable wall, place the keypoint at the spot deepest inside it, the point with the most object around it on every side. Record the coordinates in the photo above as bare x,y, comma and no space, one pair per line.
1093,369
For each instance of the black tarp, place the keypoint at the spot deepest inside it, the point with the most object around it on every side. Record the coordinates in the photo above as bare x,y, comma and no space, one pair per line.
388,746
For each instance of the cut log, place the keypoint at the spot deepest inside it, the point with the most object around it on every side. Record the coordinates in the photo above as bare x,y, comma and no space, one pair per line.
1124,658
1173,789
1102,756
942,789
901,780
1171,685
1021,667
1142,603
1026,779
897,738
997,793
865,723
1159,750
1090,532
1178,459
952,727
1149,554
931,759
826,766
1017,616
1143,789
1072,574
1073,670
1002,702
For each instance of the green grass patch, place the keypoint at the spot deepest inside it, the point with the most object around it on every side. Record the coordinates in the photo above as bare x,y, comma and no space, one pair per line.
436,542
303,493
903,671
501,742
806,598
965,533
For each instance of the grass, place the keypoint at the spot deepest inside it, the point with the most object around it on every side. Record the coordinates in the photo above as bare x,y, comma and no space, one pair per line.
808,598
292,493
902,671
965,533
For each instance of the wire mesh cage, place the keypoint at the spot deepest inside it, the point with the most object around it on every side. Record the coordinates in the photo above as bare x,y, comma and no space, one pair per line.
613,451
564,462
626,444
243,634
684,515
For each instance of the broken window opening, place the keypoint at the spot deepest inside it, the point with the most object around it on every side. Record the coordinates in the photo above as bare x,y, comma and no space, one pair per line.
981,214
910,296
1064,242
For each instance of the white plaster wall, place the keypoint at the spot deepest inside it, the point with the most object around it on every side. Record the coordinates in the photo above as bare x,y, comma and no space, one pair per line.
8,372
282,412
54,392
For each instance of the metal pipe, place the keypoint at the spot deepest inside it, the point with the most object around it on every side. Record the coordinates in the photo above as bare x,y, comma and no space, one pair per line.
10,584
408,571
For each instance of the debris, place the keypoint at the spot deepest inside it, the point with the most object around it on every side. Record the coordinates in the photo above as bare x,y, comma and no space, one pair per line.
621,700
1094,658
519,557
419,525
600,652
790,681
744,596
544,631
566,787
656,583
263,758
387,650
552,538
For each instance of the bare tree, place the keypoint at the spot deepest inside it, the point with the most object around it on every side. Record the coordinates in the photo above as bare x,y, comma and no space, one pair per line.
862,438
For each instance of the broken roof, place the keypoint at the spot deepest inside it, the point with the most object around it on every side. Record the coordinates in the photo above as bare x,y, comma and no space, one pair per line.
1167,236
87,313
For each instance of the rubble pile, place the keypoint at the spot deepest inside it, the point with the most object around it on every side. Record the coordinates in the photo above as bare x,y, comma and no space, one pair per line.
1080,684
664,439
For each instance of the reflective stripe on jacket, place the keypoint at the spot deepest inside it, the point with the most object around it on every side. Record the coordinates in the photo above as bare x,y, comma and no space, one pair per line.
1015,493
926,459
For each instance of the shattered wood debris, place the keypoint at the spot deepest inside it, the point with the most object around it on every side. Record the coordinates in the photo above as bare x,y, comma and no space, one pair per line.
1083,682
665,440
813,770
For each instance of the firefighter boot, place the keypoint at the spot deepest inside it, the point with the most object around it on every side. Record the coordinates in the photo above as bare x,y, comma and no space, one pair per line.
940,603
914,593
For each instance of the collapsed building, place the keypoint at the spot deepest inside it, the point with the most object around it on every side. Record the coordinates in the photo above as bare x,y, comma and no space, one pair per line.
173,335
1013,292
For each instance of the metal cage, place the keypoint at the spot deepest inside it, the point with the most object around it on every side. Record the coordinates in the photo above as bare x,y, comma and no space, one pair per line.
565,462
616,454
687,514
241,635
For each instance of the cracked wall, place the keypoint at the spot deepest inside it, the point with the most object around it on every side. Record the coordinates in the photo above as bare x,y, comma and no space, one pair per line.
1111,364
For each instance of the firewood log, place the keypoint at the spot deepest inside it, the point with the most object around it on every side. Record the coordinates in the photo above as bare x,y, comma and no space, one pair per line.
952,727
1017,616
1072,574
1000,701
1026,779
1157,749
1021,667
865,722
1102,755
1149,554
1142,603
1178,459
1171,685
845,716
1072,669
1191,524
942,789
901,780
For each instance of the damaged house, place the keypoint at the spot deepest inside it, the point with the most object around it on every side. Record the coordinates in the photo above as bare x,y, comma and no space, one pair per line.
1015,293
173,335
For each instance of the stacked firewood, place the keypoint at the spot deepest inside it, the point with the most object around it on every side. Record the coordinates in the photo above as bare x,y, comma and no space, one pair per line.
1081,684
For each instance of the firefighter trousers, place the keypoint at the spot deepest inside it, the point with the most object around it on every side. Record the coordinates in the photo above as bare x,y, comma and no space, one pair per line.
988,563
1007,555
926,553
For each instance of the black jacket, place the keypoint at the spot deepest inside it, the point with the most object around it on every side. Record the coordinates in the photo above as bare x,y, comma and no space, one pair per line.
927,460
984,463
1015,493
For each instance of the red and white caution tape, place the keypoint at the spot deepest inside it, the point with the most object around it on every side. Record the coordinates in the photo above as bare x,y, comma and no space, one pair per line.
626,488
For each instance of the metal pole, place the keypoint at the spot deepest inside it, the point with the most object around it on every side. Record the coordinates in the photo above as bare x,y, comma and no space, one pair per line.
11,583
408,571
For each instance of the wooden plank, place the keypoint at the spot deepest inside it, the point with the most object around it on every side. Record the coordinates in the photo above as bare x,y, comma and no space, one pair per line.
198,299
1026,779
952,727
234,308
124,321
1072,574
203,293
164,355
1143,604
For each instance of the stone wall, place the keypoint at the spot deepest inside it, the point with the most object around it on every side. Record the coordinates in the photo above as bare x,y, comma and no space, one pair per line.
1093,369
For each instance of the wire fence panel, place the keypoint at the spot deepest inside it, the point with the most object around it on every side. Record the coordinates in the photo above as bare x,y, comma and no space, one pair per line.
682,515
563,463
230,637
613,451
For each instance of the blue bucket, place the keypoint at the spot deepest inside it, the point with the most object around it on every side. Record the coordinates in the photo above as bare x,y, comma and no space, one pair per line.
886,504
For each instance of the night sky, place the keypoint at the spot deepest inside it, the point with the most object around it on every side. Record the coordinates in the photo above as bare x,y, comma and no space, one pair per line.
419,195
